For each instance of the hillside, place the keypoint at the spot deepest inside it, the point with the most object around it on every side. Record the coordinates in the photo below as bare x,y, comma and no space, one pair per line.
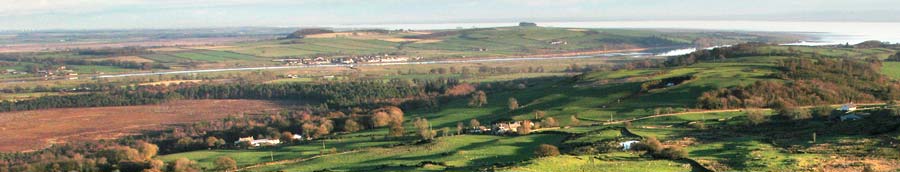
597,97
749,107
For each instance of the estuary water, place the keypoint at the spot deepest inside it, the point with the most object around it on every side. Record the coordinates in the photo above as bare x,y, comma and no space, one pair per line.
824,32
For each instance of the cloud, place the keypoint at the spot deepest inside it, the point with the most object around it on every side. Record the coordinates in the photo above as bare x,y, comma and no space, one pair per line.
36,7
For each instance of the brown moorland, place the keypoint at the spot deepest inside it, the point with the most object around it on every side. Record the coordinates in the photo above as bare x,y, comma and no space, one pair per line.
31,130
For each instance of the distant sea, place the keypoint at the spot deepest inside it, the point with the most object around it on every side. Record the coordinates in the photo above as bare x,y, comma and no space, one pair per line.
824,33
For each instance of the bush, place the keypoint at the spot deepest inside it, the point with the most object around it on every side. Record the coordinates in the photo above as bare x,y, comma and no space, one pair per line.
545,150
671,152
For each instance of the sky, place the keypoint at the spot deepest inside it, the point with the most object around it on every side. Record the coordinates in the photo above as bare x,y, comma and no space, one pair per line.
160,14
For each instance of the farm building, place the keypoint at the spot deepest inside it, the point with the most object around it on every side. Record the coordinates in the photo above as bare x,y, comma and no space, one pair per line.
508,127
258,142
478,130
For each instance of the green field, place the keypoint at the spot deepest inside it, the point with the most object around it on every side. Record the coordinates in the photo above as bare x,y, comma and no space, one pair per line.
612,162
256,156
459,153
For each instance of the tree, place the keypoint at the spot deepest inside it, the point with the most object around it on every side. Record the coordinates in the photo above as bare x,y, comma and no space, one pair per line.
212,141
755,116
545,150
351,126
539,114
474,123
651,144
148,150
513,104
380,119
424,129
308,129
396,129
225,164
287,137
322,131
479,98
671,152
573,120
185,165
445,131
895,57
459,127
525,128
549,122
157,165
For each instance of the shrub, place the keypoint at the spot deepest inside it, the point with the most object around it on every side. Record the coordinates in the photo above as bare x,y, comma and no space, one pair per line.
755,117
545,150
671,152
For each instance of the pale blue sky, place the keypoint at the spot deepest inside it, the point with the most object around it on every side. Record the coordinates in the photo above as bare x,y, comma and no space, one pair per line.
116,14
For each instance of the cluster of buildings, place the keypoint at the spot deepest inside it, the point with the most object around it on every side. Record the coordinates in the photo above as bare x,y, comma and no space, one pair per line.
501,128
346,60
46,73
12,72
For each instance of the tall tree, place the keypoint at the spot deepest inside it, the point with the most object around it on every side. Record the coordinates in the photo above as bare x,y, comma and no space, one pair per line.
549,122
351,126
513,104
396,129
539,114
424,129
479,98
459,127
525,128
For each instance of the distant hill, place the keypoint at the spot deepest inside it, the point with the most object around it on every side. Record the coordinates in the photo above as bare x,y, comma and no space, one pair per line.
303,32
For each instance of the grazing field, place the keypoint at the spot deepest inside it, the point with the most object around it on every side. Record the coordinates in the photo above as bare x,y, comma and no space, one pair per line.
891,69
249,157
612,162
29,130
126,58
458,153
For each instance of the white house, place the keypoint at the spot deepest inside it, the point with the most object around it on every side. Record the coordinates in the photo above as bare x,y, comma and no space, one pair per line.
627,144
297,137
258,142
265,142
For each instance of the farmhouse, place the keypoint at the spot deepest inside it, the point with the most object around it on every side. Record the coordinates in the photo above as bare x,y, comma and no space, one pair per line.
559,42
297,137
478,130
257,142
508,127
